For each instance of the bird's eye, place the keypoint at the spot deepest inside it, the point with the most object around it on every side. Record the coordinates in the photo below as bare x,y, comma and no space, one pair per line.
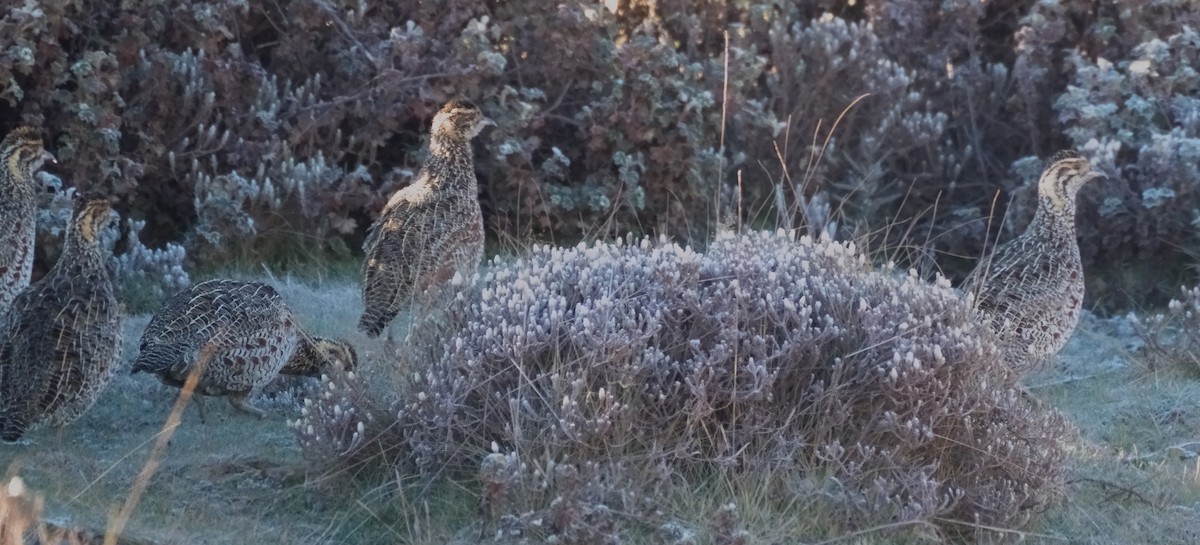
25,154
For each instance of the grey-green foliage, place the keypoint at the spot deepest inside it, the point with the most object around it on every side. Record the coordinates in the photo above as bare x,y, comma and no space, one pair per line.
247,126
1122,92
1140,117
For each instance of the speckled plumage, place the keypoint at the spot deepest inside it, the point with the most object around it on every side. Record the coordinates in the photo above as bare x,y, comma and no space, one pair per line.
1031,289
22,154
250,332
60,340
430,230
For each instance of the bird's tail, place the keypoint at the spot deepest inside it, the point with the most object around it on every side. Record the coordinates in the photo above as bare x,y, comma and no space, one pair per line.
156,358
12,428
372,324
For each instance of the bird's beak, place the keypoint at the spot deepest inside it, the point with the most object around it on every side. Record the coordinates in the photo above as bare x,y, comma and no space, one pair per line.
487,122
48,157
1095,174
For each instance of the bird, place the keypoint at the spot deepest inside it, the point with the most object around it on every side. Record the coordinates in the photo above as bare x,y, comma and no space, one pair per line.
1030,291
60,340
23,155
239,336
430,230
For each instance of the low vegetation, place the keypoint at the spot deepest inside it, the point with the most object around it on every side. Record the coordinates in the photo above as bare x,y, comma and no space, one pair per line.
280,129
1127,476
693,382
578,382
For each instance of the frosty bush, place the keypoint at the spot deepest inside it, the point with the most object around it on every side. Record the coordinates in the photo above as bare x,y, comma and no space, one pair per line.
1173,338
280,128
762,354
1123,93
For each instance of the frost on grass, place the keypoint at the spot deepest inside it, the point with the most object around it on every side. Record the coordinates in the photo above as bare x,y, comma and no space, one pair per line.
762,354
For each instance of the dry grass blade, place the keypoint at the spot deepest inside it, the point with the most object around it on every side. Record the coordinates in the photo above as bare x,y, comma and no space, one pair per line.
158,451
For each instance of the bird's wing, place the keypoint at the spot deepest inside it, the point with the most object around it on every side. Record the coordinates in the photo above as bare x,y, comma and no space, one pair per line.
26,335
394,253
1005,265
82,347
412,194
212,316
458,250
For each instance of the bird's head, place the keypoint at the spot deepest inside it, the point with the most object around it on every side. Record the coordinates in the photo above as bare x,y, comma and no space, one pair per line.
459,119
1064,174
335,353
23,152
91,217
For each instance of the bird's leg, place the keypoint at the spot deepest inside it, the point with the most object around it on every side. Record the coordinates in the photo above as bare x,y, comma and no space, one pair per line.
390,341
239,401
200,408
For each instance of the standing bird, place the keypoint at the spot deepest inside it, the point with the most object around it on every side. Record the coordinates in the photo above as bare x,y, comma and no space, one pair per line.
1031,290
60,340
241,333
23,155
429,230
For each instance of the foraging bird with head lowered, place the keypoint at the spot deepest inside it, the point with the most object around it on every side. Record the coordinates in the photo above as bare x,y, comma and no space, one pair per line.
23,155
1031,289
239,336
61,338
430,230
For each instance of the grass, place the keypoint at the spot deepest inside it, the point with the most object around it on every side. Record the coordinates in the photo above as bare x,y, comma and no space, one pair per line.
243,472
1129,486
236,475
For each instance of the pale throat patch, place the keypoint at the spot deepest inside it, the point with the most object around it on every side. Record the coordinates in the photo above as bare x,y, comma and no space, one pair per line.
1050,188
14,164
87,229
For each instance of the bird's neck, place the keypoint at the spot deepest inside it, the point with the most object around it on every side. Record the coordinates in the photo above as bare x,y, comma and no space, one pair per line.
450,155
305,361
17,181
1055,216
81,255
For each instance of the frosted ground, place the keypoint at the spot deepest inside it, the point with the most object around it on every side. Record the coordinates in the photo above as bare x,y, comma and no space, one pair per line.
1135,477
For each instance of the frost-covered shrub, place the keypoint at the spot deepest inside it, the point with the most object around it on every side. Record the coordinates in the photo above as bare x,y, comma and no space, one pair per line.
158,269
764,353
337,420
1141,117
1173,337
284,127
236,125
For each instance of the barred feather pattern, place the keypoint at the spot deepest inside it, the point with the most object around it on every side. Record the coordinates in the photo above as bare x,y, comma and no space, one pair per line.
1031,289
246,328
242,333
429,231
22,154
60,341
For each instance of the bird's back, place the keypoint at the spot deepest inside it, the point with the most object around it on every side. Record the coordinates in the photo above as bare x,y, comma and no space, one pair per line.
245,327
416,242
60,343
18,224
1031,291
